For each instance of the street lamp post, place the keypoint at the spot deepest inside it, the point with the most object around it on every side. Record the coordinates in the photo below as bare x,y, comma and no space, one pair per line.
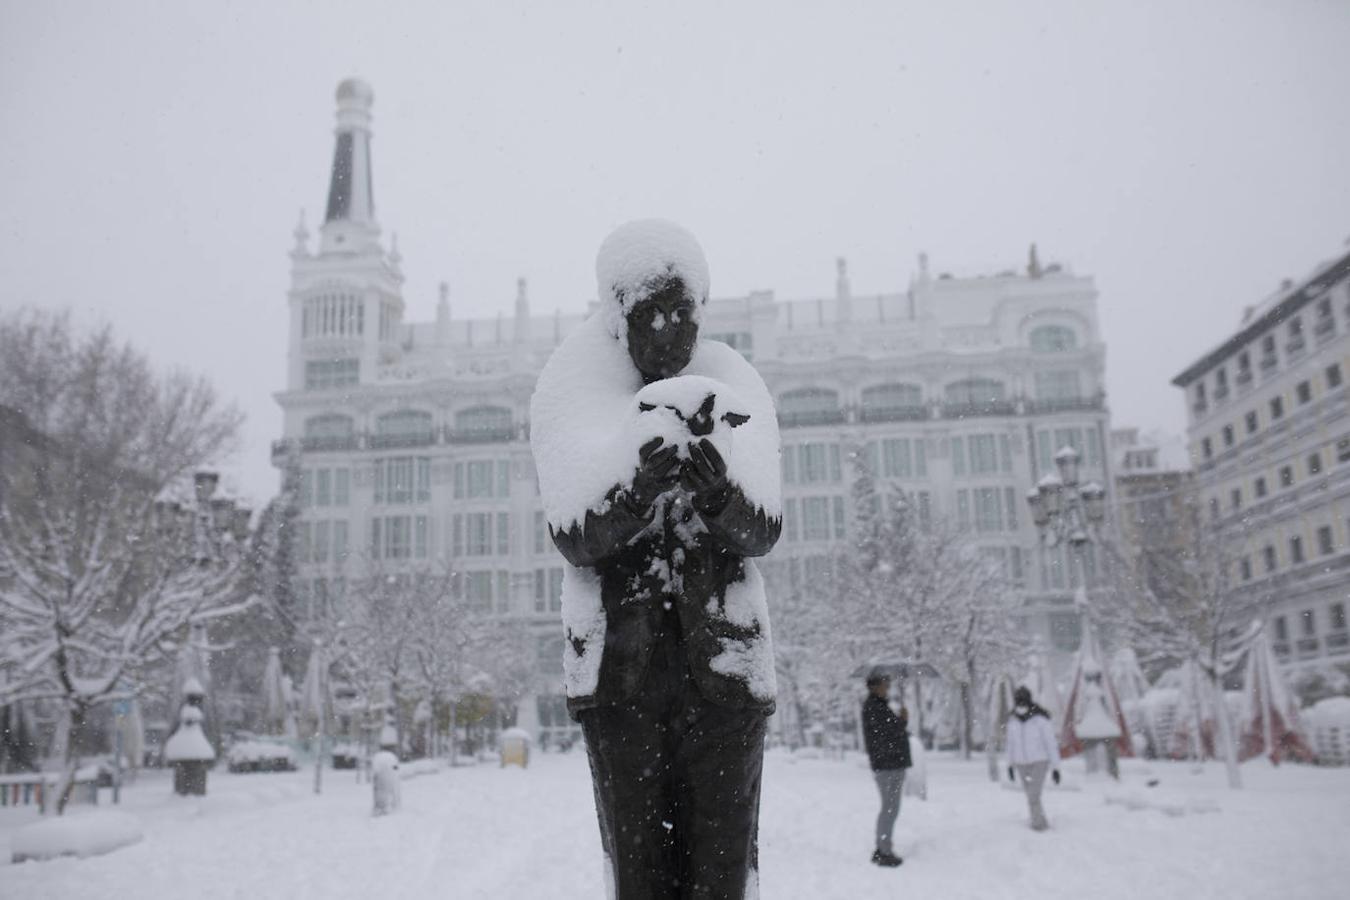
1066,512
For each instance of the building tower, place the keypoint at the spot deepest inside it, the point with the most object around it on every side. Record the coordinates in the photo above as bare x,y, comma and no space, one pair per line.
346,301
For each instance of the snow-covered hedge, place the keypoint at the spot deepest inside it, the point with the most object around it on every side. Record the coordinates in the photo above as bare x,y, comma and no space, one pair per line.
260,756
80,834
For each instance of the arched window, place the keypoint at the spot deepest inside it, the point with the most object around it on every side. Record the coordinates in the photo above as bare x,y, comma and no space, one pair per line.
404,428
1053,339
884,402
809,406
329,432
976,392
483,424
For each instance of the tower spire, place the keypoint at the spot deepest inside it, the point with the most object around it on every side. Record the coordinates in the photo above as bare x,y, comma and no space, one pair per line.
349,221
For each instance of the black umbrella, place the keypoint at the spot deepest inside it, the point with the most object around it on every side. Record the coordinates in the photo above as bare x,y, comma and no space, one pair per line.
896,671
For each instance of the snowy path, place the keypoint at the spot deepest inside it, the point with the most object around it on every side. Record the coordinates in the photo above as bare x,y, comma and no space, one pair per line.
485,832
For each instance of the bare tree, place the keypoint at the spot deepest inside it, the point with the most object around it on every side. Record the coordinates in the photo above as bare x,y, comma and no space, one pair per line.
99,578
923,591
1188,608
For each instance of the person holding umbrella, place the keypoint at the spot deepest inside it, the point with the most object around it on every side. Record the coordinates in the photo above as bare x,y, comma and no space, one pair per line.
886,736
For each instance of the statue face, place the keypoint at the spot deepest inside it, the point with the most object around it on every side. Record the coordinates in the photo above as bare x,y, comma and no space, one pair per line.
662,333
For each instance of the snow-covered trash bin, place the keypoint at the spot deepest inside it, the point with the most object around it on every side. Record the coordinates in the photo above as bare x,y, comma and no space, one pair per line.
190,754
515,747
1329,722
79,835
385,777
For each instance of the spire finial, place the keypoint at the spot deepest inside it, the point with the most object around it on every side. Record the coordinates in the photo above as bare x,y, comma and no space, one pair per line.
521,332
349,220
301,235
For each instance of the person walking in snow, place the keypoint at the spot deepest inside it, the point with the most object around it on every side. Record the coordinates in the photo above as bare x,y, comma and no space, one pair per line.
1032,751
886,736
658,466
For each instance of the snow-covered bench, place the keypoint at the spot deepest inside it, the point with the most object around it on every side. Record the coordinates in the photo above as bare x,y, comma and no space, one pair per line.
39,788
259,756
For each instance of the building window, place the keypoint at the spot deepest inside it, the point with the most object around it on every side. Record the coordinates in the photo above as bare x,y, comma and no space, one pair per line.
1268,554
484,423
1281,628
984,457
1269,360
404,427
481,479
1303,392
1052,339
1343,450
1236,497
1244,364
540,532
1337,611
478,591
1220,383
809,406
324,374
903,458
1253,422
330,431
1207,448
548,590
1214,507
815,518
1246,566
884,401
988,509
816,463
1228,436
981,392
1276,407
1333,374
1325,541
1058,386
403,479
340,541
1309,623
391,537
1286,476
1295,550
1315,464
1260,486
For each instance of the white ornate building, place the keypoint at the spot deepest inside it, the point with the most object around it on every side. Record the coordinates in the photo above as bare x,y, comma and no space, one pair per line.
1270,436
413,435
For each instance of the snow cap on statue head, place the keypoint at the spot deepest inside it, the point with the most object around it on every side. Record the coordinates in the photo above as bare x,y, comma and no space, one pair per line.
640,257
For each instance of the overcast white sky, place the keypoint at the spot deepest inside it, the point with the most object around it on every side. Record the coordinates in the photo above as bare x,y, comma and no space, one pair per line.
154,157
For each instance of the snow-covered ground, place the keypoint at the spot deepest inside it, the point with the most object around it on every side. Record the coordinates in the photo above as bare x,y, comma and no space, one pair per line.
503,833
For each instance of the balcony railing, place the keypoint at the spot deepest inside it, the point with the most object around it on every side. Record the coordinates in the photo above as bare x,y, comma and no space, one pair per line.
1307,647
895,413
1295,346
1269,362
499,434
813,417
1244,378
1281,648
400,441
1325,327
979,408
1338,642
1066,404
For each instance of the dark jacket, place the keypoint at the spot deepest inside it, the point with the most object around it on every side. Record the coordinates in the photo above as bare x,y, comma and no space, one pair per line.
649,569
885,735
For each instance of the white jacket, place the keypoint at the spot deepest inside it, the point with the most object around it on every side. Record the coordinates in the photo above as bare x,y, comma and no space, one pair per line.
1031,741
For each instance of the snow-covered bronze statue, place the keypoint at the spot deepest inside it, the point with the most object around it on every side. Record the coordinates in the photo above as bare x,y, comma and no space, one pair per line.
658,465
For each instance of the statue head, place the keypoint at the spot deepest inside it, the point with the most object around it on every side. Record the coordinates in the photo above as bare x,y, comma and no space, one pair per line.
653,282
662,330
